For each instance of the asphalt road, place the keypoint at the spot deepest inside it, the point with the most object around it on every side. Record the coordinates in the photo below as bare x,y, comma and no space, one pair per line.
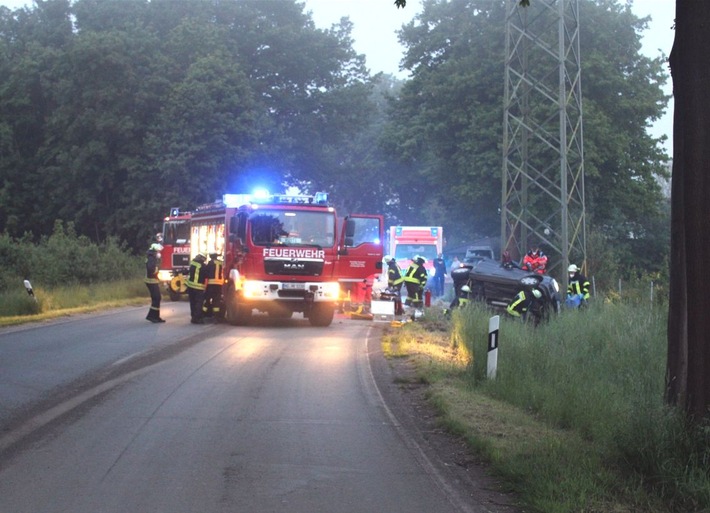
109,413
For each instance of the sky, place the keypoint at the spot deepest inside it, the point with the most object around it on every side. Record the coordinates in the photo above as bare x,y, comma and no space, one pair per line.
376,21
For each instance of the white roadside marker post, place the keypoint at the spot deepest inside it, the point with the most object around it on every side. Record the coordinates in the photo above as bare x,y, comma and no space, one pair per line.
493,326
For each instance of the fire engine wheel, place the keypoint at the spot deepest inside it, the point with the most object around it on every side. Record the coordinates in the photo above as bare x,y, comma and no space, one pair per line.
321,314
174,296
237,313
178,285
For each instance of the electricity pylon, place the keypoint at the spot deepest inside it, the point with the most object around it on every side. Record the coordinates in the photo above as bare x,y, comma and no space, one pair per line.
543,157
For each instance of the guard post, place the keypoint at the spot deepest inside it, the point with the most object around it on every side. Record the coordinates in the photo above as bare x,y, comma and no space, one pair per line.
493,327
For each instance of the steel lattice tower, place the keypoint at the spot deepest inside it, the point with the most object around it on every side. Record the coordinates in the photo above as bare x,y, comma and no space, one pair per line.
543,158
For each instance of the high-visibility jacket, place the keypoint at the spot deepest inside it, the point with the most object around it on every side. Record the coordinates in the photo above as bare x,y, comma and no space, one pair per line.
213,272
152,264
195,279
416,274
578,284
394,276
535,262
519,305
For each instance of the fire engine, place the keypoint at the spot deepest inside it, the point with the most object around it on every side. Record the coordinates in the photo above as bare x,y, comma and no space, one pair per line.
175,256
286,253
407,241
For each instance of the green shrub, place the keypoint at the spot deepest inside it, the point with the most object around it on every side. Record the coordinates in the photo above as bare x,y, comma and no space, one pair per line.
63,259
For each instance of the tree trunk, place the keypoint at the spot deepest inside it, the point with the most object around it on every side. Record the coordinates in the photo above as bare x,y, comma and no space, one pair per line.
688,371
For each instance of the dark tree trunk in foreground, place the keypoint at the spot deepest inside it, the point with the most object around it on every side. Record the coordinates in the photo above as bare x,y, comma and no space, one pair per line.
688,372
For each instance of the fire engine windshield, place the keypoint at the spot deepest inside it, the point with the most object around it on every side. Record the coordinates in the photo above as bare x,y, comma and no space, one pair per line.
176,232
408,251
292,228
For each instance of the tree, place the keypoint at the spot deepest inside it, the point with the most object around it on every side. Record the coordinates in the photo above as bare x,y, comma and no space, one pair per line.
688,370
447,123
114,111
688,376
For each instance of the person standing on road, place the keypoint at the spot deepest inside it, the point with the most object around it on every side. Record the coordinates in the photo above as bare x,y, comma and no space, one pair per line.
394,282
152,264
439,275
212,306
415,280
196,288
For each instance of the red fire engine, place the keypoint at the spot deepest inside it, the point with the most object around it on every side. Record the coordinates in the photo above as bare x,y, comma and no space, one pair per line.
285,254
175,256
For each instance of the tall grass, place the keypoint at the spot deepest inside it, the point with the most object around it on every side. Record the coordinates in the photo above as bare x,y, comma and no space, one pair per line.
600,373
16,305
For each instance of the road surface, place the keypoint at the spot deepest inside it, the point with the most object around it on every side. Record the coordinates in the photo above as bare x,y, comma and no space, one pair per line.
108,413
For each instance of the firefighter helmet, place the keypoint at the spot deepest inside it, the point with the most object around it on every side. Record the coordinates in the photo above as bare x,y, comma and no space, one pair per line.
156,247
466,289
572,269
537,293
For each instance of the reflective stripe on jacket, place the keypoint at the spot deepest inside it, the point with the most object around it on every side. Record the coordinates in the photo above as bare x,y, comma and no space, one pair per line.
151,269
579,285
194,279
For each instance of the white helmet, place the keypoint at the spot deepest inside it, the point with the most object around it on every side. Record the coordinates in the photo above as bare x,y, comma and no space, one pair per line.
466,289
572,269
388,258
156,247
537,293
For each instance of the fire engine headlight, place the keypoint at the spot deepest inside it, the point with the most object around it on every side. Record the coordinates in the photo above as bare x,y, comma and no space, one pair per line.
331,290
164,275
251,288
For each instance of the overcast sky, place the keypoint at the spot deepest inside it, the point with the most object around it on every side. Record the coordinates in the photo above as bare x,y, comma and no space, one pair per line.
375,23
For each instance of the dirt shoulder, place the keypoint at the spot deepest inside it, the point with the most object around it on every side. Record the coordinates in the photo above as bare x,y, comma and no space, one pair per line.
467,478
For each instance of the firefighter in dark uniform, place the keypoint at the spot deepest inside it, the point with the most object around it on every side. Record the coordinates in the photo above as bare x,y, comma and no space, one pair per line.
523,300
212,306
414,280
394,282
152,264
578,289
196,288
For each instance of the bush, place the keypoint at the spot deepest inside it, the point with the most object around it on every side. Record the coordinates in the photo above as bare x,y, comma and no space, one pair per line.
63,259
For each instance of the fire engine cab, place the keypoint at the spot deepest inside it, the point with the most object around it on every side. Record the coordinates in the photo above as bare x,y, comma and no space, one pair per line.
286,253
175,255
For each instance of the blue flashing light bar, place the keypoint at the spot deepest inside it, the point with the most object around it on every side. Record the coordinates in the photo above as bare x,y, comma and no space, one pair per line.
237,200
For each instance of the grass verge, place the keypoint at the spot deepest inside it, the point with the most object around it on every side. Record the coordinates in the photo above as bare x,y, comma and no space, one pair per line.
574,421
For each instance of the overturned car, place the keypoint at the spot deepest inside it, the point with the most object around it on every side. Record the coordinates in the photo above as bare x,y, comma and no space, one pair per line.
495,284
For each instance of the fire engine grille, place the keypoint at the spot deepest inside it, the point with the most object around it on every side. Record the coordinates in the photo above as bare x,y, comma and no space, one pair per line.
181,260
293,267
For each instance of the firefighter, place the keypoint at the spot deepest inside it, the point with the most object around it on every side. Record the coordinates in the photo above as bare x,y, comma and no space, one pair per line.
535,260
394,274
520,305
578,288
196,288
462,298
394,283
212,305
152,264
415,280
